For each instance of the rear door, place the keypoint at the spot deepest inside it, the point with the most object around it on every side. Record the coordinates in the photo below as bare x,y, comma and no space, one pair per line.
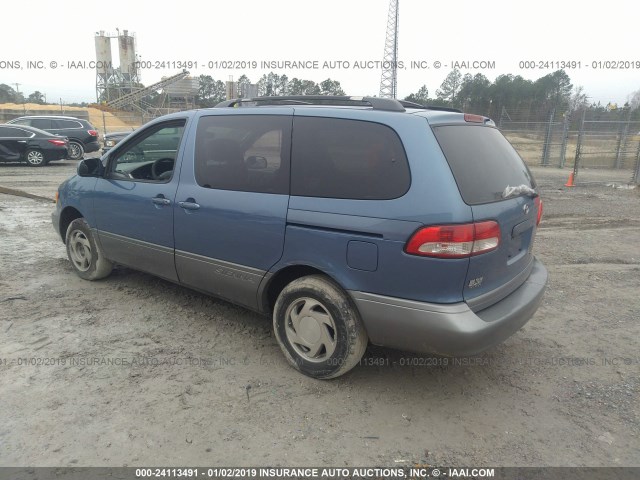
231,205
495,182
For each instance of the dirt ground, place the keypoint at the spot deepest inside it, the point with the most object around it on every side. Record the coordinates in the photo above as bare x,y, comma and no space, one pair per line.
133,370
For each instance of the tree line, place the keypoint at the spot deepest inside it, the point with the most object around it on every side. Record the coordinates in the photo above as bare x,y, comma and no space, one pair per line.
510,96
514,96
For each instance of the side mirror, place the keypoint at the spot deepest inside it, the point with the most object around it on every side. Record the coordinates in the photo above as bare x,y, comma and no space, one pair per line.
256,163
91,167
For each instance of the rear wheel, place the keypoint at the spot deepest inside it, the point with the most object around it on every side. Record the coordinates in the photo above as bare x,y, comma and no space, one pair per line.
318,328
76,151
86,258
35,158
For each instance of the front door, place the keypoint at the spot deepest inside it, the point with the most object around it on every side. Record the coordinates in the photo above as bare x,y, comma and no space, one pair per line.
134,201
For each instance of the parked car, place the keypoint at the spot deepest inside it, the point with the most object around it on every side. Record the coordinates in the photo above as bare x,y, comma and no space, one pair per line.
27,144
83,137
369,220
111,140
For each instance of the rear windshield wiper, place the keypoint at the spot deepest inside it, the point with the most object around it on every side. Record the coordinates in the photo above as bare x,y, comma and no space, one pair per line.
519,190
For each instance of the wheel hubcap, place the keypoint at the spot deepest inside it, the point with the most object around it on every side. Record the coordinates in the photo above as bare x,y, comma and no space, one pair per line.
35,158
311,330
80,250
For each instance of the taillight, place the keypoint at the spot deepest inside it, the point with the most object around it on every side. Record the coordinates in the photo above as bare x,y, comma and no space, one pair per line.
58,143
93,133
538,203
455,241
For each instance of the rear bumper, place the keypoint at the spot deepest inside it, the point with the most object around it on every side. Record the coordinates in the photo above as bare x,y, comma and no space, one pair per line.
449,329
91,147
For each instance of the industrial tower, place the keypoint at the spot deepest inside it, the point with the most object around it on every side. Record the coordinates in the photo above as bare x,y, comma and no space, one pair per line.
112,82
389,80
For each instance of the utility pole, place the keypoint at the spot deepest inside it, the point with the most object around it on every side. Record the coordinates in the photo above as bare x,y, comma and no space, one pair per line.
389,80
24,109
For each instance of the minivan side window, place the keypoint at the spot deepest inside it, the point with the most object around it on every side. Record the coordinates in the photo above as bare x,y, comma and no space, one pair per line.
352,159
248,153
149,157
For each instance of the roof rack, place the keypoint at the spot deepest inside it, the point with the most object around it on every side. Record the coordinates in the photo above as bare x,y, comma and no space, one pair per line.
386,104
408,104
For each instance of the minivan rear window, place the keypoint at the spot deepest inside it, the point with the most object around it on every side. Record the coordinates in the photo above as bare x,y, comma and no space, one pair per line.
483,162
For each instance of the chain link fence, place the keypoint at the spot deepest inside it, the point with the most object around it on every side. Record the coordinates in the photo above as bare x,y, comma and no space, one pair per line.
579,142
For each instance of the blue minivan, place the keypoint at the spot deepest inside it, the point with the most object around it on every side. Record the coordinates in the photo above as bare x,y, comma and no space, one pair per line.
347,219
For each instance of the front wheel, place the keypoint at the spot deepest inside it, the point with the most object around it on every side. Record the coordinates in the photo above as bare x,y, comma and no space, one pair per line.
86,258
35,158
318,328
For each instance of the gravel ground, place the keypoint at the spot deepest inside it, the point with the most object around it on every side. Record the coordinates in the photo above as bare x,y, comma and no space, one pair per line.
133,370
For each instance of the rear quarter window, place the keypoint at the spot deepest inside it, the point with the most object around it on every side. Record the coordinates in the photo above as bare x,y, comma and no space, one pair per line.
68,124
483,162
351,159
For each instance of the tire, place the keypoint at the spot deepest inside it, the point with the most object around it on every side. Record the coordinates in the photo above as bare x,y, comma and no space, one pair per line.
327,342
35,158
85,255
76,151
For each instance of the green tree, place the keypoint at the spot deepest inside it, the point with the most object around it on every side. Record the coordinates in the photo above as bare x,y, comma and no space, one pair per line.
554,90
36,97
421,96
474,95
210,91
298,86
8,94
331,87
272,85
450,87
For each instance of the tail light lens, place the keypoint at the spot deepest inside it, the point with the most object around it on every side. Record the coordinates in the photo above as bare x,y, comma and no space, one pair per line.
538,203
470,117
58,143
93,133
455,241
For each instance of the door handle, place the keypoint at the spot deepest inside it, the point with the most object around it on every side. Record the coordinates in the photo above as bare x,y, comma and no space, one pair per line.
22,141
161,201
190,204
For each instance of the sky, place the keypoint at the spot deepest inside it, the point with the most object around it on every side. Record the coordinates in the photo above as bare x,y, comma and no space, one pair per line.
491,37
